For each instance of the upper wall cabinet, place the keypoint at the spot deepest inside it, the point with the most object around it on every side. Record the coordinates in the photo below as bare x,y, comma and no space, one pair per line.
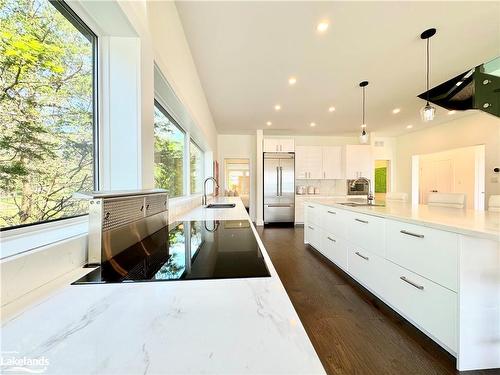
308,162
279,145
333,167
358,161
318,163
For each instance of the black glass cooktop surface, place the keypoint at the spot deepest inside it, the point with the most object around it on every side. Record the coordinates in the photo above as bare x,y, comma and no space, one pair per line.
185,251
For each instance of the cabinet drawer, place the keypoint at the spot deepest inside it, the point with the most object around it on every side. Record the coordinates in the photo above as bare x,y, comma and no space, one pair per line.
312,213
367,268
335,249
312,235
367,232
429,305
334,221
429,252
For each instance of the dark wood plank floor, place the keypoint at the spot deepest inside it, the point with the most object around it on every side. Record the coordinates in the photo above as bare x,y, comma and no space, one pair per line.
352,331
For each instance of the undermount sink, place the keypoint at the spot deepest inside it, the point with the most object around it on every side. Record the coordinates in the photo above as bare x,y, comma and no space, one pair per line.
352,204
221,205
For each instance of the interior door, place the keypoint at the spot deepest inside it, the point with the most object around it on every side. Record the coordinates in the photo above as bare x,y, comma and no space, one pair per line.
435,176
271,180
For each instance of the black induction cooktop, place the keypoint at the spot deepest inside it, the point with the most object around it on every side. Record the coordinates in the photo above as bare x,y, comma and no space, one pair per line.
186,250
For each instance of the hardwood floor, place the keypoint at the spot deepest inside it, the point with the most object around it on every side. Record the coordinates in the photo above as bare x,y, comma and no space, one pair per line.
352,331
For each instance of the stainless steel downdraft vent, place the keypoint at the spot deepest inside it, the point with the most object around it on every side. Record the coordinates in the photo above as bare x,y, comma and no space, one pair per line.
120,219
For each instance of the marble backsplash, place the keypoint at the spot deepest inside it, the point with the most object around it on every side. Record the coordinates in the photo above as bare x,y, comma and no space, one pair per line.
326,187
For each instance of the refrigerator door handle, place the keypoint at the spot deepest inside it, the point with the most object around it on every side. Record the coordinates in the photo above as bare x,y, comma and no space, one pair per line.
281,181
277,181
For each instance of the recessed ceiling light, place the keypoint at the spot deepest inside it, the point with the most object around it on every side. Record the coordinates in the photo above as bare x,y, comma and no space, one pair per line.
409,126
277,107
269,123
312,124
322,27
331,109
452,112
292,80
396,110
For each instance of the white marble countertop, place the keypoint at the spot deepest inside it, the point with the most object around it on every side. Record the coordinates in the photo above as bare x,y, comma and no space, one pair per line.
483,224
235,326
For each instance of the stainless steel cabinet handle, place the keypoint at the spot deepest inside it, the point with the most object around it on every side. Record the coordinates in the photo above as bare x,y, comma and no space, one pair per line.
332,212
324,174
361,255
412,234
310,206
310,227
421,287
362,221
331,239
279,205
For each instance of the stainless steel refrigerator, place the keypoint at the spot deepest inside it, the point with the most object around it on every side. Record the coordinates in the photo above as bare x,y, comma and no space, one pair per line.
279,187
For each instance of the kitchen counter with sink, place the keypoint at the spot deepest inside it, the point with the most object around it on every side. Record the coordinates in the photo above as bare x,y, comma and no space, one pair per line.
437,267
244,325
483,224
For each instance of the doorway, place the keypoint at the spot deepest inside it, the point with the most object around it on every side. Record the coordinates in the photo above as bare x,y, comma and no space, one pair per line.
460,170
237,180
382,179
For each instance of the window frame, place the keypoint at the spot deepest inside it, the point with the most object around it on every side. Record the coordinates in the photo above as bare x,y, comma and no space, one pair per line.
193,142
185,171
92,37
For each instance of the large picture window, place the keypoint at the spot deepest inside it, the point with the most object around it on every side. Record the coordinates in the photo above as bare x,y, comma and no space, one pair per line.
169,153
196,168
47,111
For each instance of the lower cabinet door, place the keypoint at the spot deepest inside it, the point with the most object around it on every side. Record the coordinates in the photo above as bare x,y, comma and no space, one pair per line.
367,268
335,249
313,235
431,306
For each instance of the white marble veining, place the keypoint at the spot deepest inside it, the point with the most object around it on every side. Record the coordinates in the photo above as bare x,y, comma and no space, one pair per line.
482,224
238,326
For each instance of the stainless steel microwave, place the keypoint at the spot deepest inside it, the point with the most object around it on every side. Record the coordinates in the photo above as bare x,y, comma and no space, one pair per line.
358,188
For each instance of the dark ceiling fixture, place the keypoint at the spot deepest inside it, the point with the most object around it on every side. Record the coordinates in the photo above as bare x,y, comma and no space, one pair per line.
363,138
428,111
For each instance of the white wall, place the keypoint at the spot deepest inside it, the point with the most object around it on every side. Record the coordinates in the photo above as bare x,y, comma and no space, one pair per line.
239,147
475,129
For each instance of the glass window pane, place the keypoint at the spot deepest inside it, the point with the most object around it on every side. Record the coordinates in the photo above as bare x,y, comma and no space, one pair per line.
196,168
46,112
169,153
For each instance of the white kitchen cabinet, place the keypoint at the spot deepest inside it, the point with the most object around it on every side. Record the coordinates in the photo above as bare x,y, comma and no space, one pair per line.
431,306
332,163
429,252
335,221
279,145
366,267
334,248
312,235
358,161
308,162
367,231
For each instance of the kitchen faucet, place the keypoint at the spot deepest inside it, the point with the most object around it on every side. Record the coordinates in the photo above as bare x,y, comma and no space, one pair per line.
370,199
204,198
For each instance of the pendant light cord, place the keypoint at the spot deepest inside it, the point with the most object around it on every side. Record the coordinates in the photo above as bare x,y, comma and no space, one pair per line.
363,122
428,69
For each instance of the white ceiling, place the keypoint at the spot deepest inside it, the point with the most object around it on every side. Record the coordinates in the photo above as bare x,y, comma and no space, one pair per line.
246,51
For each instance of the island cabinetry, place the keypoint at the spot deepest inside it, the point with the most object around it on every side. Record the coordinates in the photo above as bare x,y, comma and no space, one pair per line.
367,231
430,306
428,252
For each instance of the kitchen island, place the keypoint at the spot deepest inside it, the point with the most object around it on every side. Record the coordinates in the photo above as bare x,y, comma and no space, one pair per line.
244,326
437,267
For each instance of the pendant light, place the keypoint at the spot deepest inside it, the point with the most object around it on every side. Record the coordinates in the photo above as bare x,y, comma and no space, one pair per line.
428,111
363,138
